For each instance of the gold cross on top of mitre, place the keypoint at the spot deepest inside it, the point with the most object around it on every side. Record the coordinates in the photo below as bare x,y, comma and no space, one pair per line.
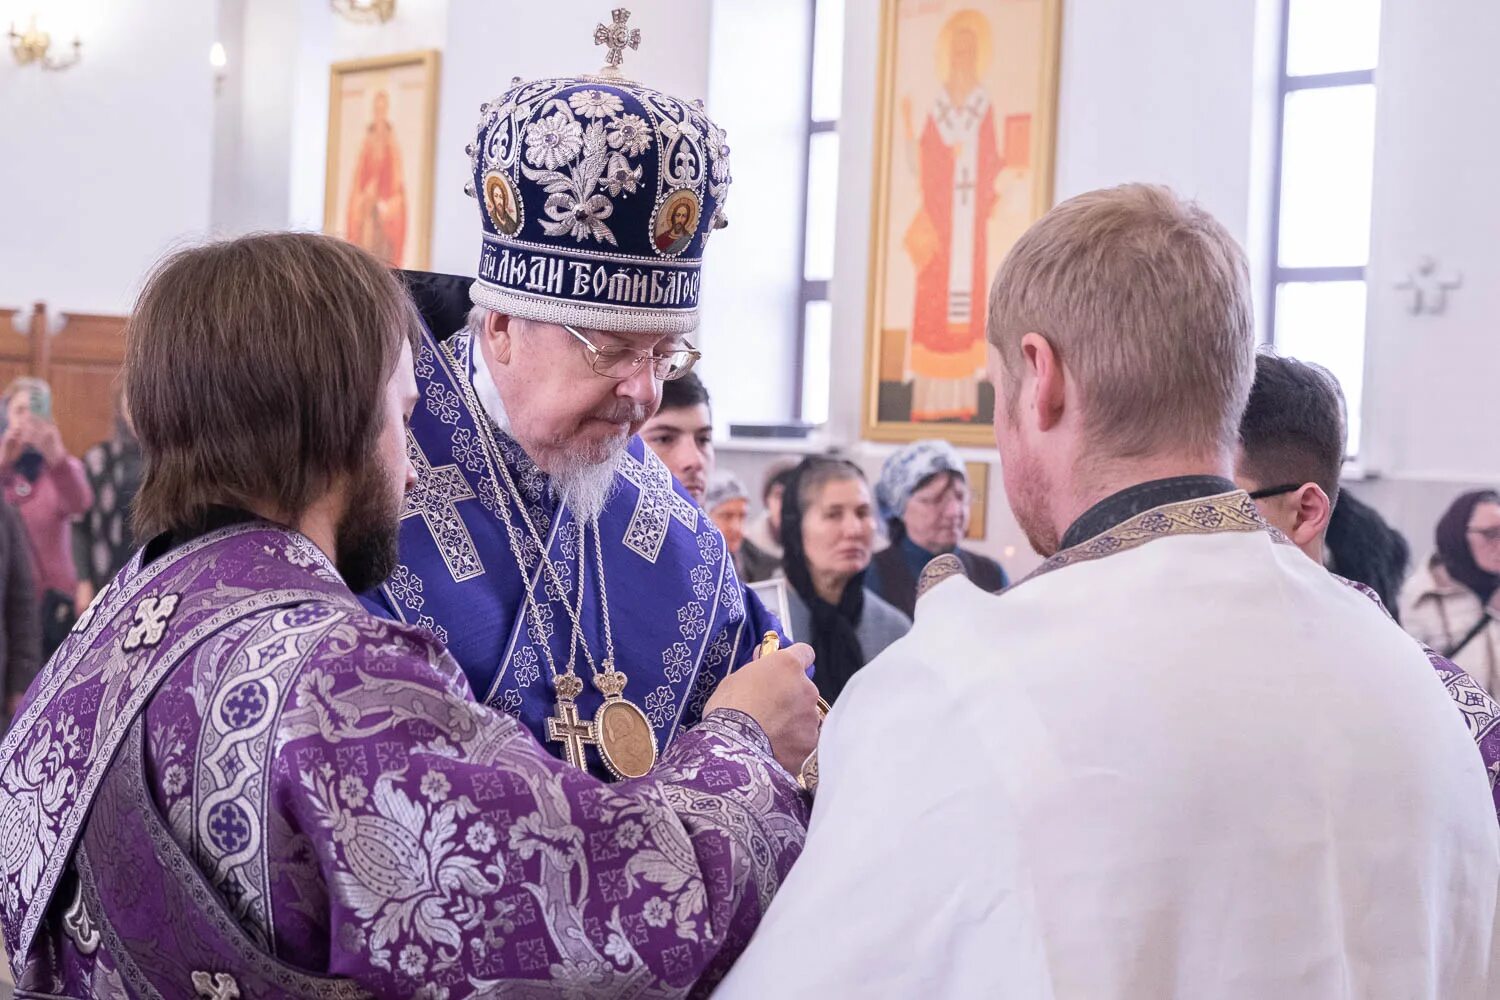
617,38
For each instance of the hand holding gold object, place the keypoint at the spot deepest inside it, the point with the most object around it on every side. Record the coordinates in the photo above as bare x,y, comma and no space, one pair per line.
807,778
770,643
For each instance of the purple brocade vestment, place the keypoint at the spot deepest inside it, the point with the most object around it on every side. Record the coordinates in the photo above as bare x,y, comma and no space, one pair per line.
233,781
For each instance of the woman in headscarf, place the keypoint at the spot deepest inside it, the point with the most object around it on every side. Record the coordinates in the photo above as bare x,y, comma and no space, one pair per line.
924,500
726,503
1450,605
827,535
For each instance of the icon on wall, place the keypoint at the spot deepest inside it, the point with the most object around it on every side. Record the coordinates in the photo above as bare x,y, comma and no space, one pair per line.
382,129
964,145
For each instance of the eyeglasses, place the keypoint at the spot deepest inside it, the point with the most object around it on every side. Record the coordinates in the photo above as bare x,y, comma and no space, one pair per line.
1491,535
1275,491
624,362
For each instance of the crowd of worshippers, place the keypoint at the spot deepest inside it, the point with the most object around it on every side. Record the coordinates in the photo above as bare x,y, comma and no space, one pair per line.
448,665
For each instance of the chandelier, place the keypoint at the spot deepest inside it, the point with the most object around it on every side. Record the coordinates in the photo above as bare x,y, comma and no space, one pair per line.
366,11
35,46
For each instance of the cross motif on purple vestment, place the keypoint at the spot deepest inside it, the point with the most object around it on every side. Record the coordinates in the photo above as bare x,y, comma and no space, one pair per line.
215,986
435,499
658,505
150,626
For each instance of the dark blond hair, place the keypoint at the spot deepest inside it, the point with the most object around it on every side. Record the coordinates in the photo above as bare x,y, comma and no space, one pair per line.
256,371
1146,300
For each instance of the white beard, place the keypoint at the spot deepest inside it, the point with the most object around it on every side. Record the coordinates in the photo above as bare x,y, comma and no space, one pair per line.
587,487
584,486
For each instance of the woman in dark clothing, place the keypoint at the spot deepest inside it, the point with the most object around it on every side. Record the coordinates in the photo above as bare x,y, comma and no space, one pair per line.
21,634
1361,546
827,533
924,500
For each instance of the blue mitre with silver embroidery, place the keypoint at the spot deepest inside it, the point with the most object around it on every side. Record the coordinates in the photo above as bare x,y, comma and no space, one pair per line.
598,196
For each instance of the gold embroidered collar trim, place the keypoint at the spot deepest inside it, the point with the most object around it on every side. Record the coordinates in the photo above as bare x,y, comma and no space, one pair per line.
1204,516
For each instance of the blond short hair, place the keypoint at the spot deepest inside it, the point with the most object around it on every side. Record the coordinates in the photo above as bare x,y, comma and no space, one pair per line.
1145,298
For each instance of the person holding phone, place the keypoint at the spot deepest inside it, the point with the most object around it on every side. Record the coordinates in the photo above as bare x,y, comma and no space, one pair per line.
49,489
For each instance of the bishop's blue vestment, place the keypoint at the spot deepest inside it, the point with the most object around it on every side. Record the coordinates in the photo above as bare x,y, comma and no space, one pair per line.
679,616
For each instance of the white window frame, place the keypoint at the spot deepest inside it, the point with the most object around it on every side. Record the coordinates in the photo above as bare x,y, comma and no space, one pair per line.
1286,86
809,291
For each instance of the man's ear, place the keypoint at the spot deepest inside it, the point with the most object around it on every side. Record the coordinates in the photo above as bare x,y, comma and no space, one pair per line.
498,331
1041,361
1313,509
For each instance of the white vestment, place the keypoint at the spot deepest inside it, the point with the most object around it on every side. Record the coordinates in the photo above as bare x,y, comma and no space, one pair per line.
1181,761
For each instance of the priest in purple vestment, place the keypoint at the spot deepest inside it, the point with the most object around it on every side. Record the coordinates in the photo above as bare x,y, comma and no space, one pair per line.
1290,457
234,782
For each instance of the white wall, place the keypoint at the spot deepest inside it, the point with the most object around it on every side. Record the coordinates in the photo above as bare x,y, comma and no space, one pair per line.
1434,381
1163,96
108,164
1437,376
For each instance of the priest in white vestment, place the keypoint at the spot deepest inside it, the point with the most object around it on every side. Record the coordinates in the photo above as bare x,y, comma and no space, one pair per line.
1178,761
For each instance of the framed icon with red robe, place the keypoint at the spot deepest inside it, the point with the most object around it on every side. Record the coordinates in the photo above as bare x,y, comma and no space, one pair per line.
967,97
382,131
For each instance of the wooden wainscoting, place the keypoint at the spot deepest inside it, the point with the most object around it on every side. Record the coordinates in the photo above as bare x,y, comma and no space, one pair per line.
81,361
83,366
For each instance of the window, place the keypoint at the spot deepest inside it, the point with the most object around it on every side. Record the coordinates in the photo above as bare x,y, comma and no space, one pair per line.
819,204
1321,209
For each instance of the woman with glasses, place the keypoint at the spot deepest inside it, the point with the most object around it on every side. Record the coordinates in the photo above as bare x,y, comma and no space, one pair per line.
1451,604
924,500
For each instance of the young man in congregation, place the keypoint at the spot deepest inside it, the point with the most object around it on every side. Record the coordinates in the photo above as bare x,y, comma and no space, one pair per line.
681,432
1290,457
578,586
1179,760
233,781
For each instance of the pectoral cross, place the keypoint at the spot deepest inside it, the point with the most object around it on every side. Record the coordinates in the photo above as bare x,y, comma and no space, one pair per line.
617,38
566,727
